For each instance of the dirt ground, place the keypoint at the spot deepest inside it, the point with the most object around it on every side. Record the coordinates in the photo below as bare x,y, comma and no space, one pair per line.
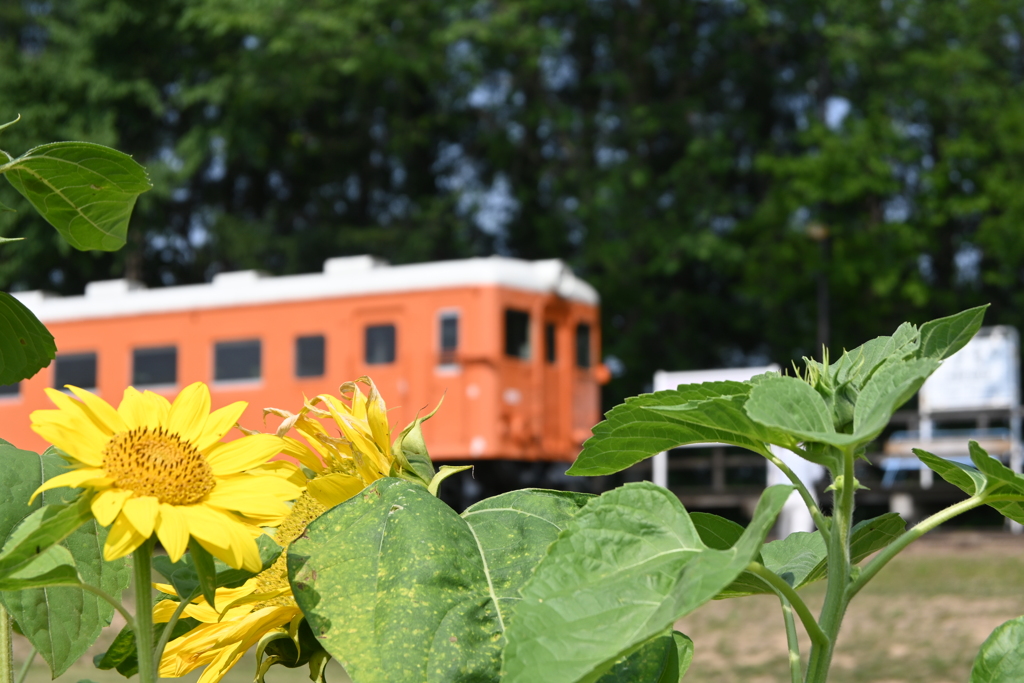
921,620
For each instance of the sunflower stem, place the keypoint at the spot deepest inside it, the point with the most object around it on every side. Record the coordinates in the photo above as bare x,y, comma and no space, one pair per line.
6,651
143,583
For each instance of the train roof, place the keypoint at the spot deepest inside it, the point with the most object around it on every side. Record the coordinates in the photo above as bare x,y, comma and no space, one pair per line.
341,277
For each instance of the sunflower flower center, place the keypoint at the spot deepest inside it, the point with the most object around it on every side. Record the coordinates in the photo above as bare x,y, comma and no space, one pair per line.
155,462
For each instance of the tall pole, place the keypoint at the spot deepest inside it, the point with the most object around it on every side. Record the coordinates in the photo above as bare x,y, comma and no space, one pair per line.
819,233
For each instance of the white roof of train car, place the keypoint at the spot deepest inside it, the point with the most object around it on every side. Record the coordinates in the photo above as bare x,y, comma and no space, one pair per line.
341,277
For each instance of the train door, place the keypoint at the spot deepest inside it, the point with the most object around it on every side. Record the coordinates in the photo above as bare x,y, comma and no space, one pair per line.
556,397
585,395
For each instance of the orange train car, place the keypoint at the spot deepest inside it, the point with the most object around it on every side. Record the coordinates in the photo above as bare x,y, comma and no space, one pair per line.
511,345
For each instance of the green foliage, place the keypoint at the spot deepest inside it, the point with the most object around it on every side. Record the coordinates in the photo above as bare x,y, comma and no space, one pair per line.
663,659
398,587
25,345
1001,659
627,567
990,479
64,547
826,409
86,191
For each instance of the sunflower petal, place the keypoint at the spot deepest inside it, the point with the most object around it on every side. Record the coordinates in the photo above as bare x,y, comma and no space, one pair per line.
219,423
160,405
73,433
140,410
106,505
189,412
172,530
333,489
283,469
72,479
242,454
142,512
103,411
122,539
303,453
377,417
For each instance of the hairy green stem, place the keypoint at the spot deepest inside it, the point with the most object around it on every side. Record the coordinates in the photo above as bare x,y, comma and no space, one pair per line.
805,494
785,591
6,651
839,567
869,570
112,601
143,584
165,636
26,666
792,642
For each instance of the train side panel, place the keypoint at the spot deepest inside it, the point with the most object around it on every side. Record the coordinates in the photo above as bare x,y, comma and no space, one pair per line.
534,405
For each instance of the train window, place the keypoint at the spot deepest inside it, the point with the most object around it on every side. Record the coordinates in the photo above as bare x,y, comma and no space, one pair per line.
449,337
550,350
236,360
380,344
517,333
155,365
10,389
309,356
76,369
583,345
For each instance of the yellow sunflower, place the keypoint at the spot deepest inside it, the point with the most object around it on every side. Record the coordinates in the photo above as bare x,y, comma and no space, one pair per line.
264,606
153,466
345,464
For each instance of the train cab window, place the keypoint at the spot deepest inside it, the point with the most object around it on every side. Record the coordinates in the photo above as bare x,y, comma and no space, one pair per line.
550,350
449,342
155,365
9,390
309,356
76,369
380,344
517,333
583,345
236,360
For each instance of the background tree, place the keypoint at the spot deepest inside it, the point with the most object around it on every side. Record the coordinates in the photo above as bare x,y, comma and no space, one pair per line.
682,156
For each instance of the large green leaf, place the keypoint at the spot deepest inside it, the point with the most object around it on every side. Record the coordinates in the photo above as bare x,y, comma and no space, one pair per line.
892,385
627,567
663,659
60,620
26,346
84,190
1001,658
648,424
994,469
399,588
857,366
793,406
972,481
42,529
943,337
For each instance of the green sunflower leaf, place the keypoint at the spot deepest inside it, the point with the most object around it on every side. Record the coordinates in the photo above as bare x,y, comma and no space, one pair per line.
60,619
26,346
86,191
